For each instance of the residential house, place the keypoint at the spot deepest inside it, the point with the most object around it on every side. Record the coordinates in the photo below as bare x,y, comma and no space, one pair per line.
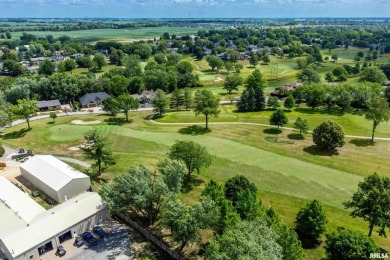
35,61
282,91
93,99
145,97
45,105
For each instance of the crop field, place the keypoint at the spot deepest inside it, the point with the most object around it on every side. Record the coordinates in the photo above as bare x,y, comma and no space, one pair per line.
123,35
286,171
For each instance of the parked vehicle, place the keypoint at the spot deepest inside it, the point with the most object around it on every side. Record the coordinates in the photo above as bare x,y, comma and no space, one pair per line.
89,238
60,251
78,241
99,231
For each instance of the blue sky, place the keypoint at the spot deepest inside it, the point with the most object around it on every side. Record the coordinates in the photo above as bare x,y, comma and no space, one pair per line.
197,8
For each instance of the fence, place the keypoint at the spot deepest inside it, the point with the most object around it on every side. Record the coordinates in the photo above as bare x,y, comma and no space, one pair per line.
150,237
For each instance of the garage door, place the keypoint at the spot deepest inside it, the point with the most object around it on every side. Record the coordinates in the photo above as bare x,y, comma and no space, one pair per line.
64,237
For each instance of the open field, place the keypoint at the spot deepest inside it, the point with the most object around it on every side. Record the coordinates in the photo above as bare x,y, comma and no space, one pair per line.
113,34
287,172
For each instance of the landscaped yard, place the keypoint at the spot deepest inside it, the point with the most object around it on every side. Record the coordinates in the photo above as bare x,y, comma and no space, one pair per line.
286,171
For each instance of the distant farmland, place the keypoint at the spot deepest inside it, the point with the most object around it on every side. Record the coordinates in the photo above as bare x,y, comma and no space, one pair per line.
127,34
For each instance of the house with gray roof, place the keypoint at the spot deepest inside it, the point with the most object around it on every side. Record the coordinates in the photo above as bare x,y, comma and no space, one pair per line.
93,99
45,105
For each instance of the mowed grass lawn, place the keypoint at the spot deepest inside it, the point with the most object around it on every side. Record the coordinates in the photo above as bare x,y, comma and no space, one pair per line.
286,173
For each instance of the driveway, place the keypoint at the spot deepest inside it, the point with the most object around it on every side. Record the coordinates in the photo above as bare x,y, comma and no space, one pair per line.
115,246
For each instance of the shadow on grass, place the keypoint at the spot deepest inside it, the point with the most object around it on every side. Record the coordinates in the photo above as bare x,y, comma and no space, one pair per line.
116,121
296,136
308,243
194,130
308,110
315,150
50,123
362,142
193,182
272,131
16,134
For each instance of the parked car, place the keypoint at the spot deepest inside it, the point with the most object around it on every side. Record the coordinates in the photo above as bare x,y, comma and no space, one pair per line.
78,241
99,231
60,251
89,238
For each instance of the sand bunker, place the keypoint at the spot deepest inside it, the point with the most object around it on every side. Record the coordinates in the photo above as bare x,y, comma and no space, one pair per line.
74,148
82,122
218,79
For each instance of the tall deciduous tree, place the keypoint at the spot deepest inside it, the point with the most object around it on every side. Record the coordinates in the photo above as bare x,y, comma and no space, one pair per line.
232,83
160,102
345,244
311,220
194,155
207,104
302,125
97,149
187,98
176,100
215,62
371,202
373,74
246,240
287,238
99,61
289,102
139,191
46,67
309,76
378,111
127,103
328,135
173,172
185,221
273,102
111,105
278,118
24,109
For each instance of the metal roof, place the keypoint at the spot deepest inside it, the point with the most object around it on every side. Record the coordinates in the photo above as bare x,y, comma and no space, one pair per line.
16,207
53,222
51,171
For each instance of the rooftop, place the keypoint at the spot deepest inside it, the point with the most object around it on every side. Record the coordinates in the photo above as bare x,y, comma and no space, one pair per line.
50,170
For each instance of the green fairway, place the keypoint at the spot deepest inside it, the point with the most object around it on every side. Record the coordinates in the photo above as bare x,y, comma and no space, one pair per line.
286,173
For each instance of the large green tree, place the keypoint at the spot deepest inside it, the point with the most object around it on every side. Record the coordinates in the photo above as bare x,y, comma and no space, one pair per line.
311,220
246,240
97,149
309,76
185,221
172,172
215,62
138,191
207,104
287,238
232,82
371,202
373,74
46,67
127,103
328,135
194,155
24,109
278,118
160,102
345,244
302,125
378,111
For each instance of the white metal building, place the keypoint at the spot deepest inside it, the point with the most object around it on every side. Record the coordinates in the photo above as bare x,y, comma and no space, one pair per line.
47,230
54,177
16,207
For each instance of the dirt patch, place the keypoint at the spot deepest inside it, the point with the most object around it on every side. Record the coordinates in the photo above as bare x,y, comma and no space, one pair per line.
82,122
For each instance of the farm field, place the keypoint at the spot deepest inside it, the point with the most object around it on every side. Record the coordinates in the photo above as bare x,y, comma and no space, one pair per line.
286,171
122,35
